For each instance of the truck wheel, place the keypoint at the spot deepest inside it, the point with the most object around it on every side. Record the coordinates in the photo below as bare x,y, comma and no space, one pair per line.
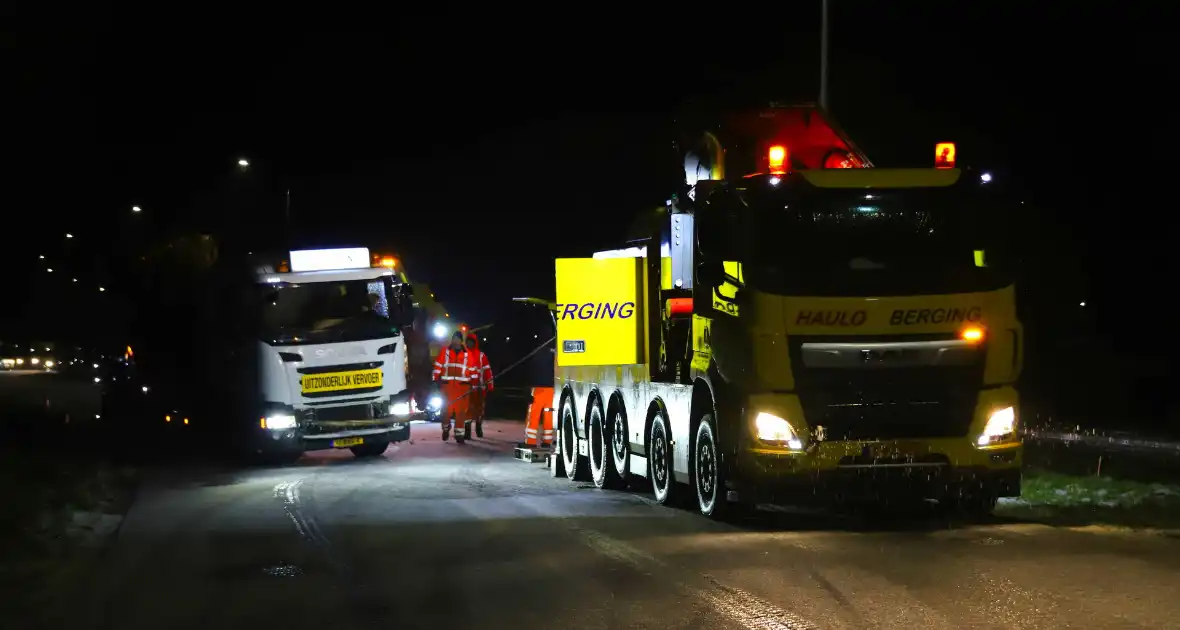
708,475
602,468
370,449
576,466
620,447
659,460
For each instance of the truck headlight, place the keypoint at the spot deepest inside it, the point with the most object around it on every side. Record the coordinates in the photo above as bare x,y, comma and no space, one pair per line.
775,430
1000,427
400,409
435,403
440,331
279,422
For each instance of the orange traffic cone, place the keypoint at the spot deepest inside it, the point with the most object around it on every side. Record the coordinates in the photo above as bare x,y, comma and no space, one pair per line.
538,429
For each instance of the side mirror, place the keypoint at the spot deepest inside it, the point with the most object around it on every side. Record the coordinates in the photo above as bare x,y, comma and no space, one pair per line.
401,303
709,275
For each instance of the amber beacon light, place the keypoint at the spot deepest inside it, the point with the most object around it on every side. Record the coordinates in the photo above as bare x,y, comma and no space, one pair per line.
777,157
944,155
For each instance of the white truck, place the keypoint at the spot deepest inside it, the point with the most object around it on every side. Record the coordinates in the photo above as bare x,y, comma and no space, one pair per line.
332,365
300,354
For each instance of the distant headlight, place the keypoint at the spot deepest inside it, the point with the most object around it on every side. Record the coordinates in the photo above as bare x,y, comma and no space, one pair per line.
49,364
400,409
775,430
440,331
1000,428
284,421
435,402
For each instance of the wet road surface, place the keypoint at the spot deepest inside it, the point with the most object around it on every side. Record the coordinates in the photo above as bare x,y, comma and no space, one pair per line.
437,535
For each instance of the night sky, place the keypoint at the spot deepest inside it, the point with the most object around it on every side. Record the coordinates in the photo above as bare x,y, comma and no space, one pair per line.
480,151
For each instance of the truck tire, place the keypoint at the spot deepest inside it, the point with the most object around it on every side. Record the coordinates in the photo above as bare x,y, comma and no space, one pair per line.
369,449
602,468
576,466
659,460
708,475
620,445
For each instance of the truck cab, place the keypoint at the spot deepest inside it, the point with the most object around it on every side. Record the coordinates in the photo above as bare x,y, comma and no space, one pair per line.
332,353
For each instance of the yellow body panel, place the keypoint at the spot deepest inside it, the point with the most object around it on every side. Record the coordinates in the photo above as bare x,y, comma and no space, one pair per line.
599,311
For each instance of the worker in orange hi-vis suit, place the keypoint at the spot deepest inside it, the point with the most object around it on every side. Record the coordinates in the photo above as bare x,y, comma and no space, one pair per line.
480,373
451,373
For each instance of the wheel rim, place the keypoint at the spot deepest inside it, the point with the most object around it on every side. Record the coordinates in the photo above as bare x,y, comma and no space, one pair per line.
706,469
659,452
619,442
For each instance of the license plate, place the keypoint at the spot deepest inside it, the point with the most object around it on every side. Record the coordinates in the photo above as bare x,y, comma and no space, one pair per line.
345,442
341,381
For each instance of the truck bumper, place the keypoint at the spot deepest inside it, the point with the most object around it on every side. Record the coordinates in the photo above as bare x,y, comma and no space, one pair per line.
310,439
768,478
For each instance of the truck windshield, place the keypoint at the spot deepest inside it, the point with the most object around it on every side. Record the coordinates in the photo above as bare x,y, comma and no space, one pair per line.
325,312
870,242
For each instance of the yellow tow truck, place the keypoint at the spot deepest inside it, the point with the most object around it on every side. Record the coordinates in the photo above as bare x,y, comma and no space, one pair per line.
812,329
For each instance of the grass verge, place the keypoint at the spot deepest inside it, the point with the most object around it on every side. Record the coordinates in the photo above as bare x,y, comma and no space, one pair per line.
1060,499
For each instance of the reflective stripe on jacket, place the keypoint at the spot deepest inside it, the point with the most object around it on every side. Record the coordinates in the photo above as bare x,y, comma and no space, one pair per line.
451,366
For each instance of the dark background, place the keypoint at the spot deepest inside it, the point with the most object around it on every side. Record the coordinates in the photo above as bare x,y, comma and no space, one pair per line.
478,151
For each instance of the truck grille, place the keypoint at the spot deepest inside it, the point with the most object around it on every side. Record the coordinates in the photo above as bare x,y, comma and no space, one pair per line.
343,418
879,401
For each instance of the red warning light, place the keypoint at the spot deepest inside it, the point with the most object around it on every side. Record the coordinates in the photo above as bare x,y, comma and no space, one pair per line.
944,155
777,157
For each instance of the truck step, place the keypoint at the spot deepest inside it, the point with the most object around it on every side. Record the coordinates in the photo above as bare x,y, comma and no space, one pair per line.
530,454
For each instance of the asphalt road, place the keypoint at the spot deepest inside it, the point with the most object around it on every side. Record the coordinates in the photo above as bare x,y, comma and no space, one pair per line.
438,535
